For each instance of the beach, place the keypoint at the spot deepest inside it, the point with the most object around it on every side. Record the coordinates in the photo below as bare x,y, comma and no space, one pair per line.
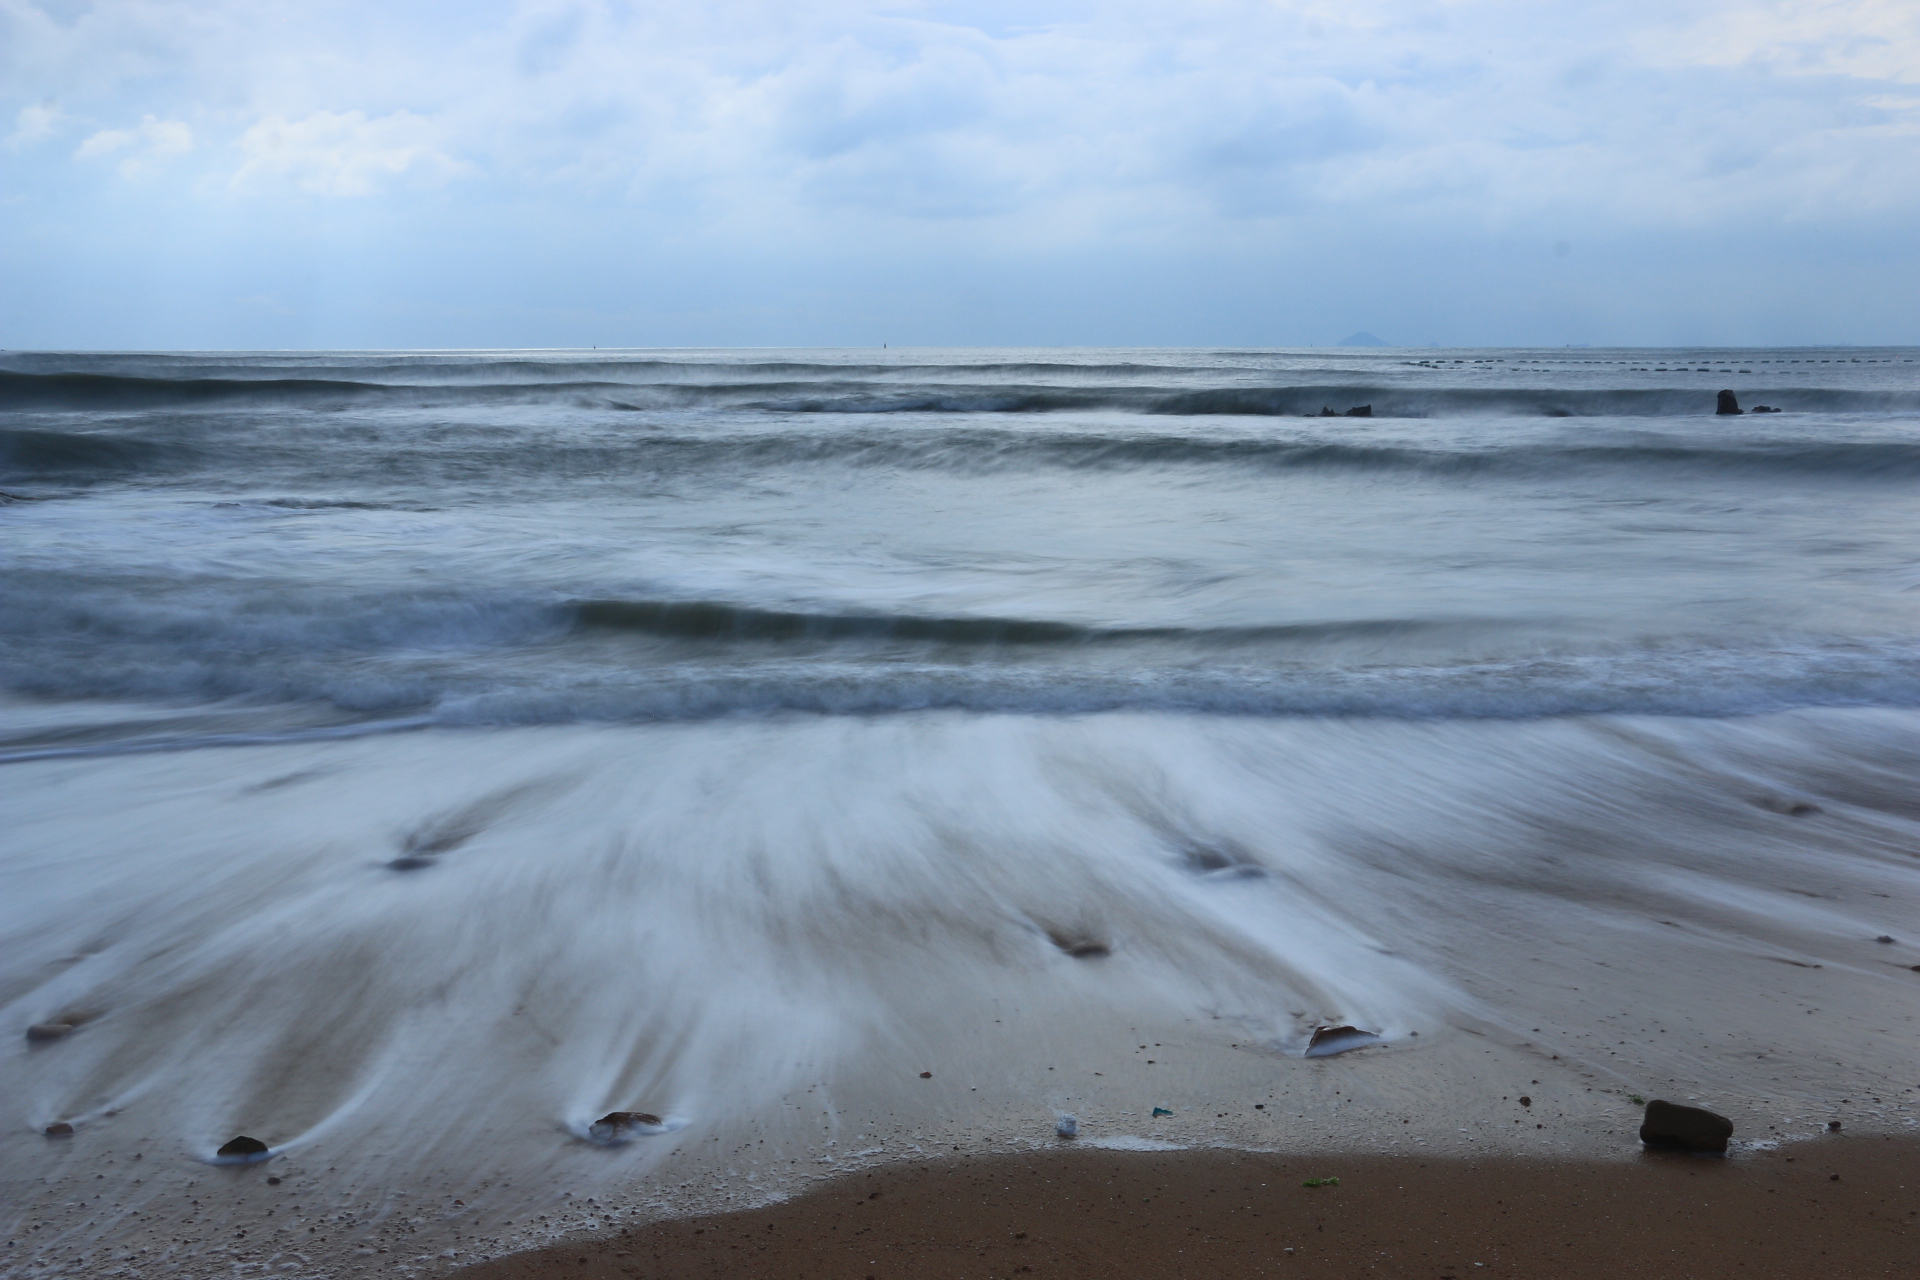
1839,1208
531,796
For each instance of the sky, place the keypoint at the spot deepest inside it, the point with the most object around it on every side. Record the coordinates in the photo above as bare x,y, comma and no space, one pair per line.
550,173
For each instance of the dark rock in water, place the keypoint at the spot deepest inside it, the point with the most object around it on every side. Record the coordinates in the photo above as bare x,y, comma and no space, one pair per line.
616,1125
1788,805
1764,408
1729,403
41,1032
1327,413
1360,411
1328,1041
242,1147
58,1129
1670,1125
410,862
1078,945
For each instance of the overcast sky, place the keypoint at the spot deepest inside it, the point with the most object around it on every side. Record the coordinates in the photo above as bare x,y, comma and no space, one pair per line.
238,173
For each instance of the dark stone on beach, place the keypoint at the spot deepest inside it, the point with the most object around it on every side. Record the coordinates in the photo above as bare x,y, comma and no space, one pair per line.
1728,403
1525,1101
1328,1041
926,1075
1360,411
410,862
1078,945
58,1129
243,1146
621,1124
1676,1127
1885,937
42,1032
1833,1126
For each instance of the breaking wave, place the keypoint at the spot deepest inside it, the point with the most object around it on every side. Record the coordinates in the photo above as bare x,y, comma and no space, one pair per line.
839,393
707,620
498,660
446,455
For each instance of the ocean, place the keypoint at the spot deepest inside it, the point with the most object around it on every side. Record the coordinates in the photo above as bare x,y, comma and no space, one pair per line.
412,757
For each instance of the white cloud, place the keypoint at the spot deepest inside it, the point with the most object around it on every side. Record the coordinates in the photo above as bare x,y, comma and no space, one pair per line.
1866,39
343,153
33,124
1119,111
1110,128
143,149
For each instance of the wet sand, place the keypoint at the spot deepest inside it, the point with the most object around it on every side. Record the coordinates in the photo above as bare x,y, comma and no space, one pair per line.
1840,1206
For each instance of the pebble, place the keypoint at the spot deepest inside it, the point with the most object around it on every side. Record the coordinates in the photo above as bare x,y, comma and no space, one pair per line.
40,1032
617,1125
1328,1041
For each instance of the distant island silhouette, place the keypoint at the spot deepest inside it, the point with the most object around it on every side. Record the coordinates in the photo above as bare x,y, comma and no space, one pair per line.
1362,339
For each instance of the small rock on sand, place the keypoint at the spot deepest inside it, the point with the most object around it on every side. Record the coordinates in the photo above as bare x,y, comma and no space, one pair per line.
1671,1125
58,1129
1328,1041
1067,1127
41,1032
618,1125
1078,945
242,1148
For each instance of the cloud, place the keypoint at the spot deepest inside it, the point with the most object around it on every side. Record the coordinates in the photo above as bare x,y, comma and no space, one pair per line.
1114,111
1864,39
33,124
144,149
344,153
1103,131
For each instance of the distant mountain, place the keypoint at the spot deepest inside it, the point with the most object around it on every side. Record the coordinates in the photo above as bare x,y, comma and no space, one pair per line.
1362,339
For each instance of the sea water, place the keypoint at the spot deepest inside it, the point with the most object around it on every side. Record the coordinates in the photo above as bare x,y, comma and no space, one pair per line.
411,757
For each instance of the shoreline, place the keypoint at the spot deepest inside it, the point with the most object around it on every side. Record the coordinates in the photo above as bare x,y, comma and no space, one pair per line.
1844,1205
1594,911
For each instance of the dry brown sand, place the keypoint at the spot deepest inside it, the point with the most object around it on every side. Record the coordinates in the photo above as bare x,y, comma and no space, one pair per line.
1836,1207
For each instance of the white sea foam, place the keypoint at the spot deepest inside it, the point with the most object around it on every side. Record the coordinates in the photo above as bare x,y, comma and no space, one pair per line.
764,933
